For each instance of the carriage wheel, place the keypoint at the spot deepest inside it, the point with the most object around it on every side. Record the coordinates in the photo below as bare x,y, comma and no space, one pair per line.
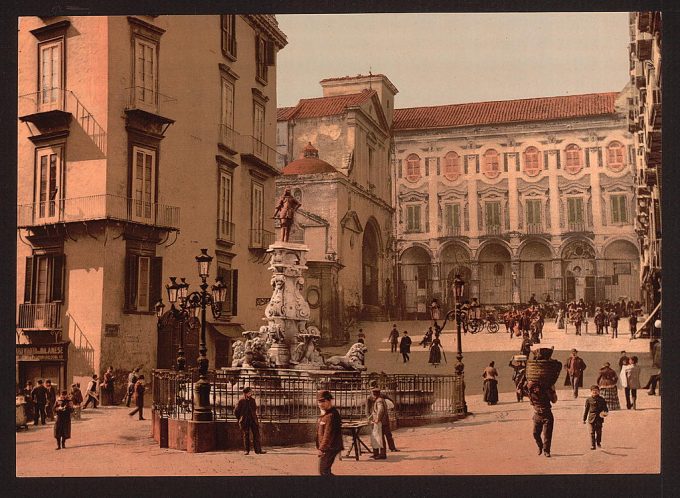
493,327
474,326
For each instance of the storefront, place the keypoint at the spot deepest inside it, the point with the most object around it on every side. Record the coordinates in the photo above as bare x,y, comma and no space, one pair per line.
42,361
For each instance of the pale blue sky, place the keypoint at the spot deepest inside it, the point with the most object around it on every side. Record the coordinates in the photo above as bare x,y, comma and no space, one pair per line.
451,58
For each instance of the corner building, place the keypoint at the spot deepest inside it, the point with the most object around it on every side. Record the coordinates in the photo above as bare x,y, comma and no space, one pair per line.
519,197
141,139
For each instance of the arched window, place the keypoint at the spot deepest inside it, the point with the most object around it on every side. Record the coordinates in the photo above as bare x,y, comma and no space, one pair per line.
574,163
539,270
451,166
491,166
498,270
615,156
413,168
532,161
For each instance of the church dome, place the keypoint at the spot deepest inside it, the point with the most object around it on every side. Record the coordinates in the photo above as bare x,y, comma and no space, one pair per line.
308,164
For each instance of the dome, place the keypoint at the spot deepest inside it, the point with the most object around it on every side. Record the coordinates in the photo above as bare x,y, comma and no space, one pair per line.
308,164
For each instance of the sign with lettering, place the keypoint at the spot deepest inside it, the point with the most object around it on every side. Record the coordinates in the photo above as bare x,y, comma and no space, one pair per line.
111,329
41,352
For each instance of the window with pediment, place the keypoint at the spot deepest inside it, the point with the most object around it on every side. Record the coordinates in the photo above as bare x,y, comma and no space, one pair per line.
574,160
451,166
413,170
532,161
491,164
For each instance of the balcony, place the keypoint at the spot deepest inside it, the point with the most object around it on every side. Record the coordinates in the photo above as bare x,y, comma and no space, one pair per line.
643,46
452,231
577,226
260,239
638,75
53,109
653,114
644,21
534,229
260,154
225,231
228,139
46,316
97,207
493,230
147,110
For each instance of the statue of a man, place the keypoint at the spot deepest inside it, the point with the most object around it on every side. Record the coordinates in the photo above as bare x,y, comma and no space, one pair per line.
285,212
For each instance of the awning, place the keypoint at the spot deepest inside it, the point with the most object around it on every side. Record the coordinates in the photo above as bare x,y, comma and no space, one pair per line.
227,329
651,315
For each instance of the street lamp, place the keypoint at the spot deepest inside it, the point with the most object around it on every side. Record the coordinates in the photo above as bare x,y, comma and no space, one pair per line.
190,305
458,288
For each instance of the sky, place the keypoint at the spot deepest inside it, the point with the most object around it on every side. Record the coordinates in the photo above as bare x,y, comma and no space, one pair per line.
436,59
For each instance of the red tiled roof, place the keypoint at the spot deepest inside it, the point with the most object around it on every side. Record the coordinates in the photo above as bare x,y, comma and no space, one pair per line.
507,111
323,106
282,113
307,166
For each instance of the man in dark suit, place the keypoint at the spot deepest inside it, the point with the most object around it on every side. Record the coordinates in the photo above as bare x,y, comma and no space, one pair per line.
51,399
328,433
595,410
246,414
405,346
39,397
139,398
575,367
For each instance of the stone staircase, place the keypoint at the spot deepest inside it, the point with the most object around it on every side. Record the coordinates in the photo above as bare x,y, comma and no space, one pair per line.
372,313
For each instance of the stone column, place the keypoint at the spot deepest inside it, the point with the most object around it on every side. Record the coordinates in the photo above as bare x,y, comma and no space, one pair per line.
557,279
473,201
516,298
596,196
553,174
474,280
513,194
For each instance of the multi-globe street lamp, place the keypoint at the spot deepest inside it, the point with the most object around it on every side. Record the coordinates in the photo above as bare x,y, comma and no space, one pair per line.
189,306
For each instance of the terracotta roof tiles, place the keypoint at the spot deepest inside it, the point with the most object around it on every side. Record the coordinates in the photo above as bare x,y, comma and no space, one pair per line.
507,111
323,106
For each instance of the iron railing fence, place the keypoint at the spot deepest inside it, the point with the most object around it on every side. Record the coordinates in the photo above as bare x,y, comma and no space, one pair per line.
292,396
40,316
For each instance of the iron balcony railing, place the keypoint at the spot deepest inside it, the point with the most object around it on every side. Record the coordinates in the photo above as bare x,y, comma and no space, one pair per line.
261,239
229,137
226,231
45,316
577,226
534,228
452,231
150,100
97,207
61,99
291,397
493,230
251,146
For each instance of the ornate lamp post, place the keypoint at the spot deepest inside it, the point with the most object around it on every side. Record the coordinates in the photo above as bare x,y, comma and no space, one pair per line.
458,288
190,304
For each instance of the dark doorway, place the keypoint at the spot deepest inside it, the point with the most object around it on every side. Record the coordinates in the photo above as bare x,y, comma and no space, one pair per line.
168,342
370,274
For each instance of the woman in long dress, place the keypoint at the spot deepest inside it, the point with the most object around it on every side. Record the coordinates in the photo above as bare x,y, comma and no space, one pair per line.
62,427
607,382
490,384
435,352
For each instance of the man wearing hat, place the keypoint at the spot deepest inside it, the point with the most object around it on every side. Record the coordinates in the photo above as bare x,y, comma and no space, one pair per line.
595,410
328,433
246,414
575,367
386,430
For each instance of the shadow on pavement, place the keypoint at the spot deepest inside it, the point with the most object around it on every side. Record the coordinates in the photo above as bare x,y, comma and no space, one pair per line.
614,454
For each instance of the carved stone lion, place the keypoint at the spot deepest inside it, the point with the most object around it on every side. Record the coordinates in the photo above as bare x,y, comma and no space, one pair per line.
353,360
239,354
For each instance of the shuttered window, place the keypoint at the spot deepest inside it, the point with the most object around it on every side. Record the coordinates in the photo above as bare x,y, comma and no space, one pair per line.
493,214
575,210
413,218
619,209
533,207
143,282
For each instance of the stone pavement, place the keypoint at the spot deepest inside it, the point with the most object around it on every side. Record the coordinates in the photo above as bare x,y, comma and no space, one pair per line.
493,440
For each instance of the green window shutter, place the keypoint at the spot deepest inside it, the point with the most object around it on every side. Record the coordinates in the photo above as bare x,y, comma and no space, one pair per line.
571,204
456,215
623,210
131,282
28,281
155,281
416,216
58,264
448,215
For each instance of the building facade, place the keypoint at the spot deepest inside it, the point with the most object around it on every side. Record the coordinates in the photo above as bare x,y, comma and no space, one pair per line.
338,153
141,140
645,125
519,197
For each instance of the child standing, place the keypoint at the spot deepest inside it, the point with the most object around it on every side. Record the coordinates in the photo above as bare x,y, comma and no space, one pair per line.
595,410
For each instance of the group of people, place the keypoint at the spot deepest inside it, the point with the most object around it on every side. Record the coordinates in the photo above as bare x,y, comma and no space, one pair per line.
528,321
329,441
404,343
